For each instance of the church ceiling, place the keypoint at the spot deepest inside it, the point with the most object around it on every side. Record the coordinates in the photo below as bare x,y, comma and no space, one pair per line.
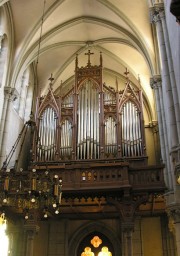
120,29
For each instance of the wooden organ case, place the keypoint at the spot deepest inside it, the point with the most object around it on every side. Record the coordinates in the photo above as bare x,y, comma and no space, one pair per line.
92,121
94,138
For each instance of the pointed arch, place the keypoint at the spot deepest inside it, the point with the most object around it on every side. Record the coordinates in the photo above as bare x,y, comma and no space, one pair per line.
92,227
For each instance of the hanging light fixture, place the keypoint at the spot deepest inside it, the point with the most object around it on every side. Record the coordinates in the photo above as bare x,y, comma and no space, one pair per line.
32,189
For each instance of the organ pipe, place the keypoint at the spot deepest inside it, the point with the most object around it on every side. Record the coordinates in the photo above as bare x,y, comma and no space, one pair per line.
88,107
47,130
131,131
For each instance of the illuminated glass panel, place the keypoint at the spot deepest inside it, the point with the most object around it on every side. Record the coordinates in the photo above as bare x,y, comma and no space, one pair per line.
4,242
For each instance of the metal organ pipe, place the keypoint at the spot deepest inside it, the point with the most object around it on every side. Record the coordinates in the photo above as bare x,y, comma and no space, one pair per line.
66,138
131,130
88,114
88,126
47,131
92,124
85,124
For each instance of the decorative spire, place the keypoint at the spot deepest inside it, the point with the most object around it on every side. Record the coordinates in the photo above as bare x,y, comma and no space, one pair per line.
60,88
51,80
127,73
76,61
101,59
139,80
116,84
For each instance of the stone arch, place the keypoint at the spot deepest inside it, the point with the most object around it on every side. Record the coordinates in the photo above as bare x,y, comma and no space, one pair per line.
91,227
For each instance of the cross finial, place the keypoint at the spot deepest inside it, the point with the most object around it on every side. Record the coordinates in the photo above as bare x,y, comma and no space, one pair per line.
89,53
126,73
51,79
139,80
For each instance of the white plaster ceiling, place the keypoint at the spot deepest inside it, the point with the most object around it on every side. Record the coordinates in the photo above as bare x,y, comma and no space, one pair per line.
120,29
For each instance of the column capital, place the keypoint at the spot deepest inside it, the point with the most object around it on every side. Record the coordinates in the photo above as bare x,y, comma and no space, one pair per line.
127,206
177,172
1,39
31,228
3,2
156,11
155,81
127,226
174,213
10,93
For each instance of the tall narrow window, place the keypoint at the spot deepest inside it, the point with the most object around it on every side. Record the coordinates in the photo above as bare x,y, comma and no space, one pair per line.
24,89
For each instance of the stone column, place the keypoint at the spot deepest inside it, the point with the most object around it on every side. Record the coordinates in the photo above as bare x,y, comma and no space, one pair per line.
12,233
167,87
9,95
127,231
171,72
1,39
31,228
156,84
127,208
174,216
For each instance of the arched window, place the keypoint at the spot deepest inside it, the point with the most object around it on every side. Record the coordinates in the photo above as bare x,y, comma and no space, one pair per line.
95,244
24,90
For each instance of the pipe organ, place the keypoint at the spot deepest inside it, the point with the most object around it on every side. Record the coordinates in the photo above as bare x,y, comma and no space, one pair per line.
92,121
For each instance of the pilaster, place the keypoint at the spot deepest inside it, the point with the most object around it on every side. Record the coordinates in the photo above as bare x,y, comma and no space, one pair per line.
127,207
157,12
31,229
10,94
171,72
127,231
1,40
174,217
156,84
13,233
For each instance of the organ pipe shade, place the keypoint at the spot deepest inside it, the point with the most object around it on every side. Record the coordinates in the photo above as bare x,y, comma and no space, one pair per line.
131,130
47,135
110,136
66,138
88,121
